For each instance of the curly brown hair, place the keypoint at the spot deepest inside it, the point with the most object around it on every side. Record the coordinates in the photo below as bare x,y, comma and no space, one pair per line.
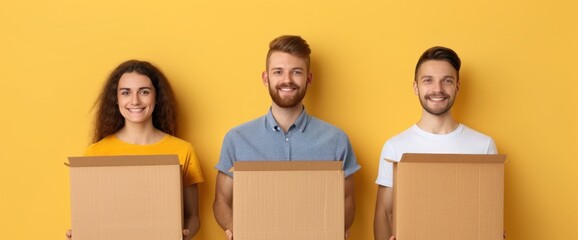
108,119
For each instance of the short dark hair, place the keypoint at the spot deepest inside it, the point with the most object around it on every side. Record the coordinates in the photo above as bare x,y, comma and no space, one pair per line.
441,54
108,119
291,44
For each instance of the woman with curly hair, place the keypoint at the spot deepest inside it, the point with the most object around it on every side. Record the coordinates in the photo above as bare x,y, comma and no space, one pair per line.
136,115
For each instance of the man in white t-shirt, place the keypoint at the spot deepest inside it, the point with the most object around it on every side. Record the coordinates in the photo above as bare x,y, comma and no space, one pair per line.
437,84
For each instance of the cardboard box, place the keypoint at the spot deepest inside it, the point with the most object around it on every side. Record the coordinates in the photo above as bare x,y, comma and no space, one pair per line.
288,200
126,197
449,196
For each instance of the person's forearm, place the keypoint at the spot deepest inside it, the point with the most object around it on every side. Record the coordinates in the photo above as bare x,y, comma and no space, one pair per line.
349,201
224,215
223,204
349,212
193,224
381,227
191,211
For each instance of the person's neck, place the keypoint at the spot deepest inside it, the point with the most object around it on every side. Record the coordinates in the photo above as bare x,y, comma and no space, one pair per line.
442,124
286,117
140,134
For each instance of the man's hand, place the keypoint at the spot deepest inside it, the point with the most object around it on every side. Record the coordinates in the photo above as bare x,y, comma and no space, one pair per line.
229,234
69,234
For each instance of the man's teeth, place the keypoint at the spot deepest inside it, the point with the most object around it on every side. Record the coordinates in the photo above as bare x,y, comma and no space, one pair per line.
437,98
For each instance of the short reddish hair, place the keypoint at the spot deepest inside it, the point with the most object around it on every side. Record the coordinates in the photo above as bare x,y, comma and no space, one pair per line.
291,44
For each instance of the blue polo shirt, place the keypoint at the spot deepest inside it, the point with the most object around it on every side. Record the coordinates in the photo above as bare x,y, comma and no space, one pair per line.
307,139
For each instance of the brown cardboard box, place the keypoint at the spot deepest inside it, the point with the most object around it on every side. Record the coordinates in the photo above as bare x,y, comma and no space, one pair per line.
288,200
126,197
449,196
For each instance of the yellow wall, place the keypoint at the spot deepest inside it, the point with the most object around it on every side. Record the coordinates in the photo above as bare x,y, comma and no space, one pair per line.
519,86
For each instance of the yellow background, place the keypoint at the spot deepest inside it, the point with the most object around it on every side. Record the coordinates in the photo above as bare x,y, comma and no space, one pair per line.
519,85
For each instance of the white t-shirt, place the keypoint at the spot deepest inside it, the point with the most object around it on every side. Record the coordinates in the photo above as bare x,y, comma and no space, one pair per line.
463,140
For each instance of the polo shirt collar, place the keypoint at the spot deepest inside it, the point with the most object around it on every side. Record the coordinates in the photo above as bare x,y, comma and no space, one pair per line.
300,123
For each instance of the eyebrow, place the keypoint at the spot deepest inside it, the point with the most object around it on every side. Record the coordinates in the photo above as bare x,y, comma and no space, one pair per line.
280,68
444,77
141,88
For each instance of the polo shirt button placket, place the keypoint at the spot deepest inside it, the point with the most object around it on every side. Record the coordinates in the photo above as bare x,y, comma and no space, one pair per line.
287,148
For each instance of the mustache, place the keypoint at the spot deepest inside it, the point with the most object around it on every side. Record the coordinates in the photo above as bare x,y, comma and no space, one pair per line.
290,84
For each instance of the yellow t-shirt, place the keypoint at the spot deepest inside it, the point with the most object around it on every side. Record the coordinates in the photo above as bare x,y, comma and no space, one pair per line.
111,145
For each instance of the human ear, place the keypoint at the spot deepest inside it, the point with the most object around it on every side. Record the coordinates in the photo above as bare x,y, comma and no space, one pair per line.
309,78
265,78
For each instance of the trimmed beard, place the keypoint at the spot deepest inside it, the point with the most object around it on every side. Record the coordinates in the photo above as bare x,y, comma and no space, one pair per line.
287,102
423,102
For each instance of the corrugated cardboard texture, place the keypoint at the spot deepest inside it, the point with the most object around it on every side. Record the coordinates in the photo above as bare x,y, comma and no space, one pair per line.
126,197
288,166
297,203
449,196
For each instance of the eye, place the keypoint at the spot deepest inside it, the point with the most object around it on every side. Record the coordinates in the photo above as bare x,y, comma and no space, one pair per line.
145,92
448,81
426,80
277,72
298,72
124,93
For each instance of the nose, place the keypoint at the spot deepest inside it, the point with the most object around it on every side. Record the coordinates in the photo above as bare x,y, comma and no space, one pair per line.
135,99
437,87
288,78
